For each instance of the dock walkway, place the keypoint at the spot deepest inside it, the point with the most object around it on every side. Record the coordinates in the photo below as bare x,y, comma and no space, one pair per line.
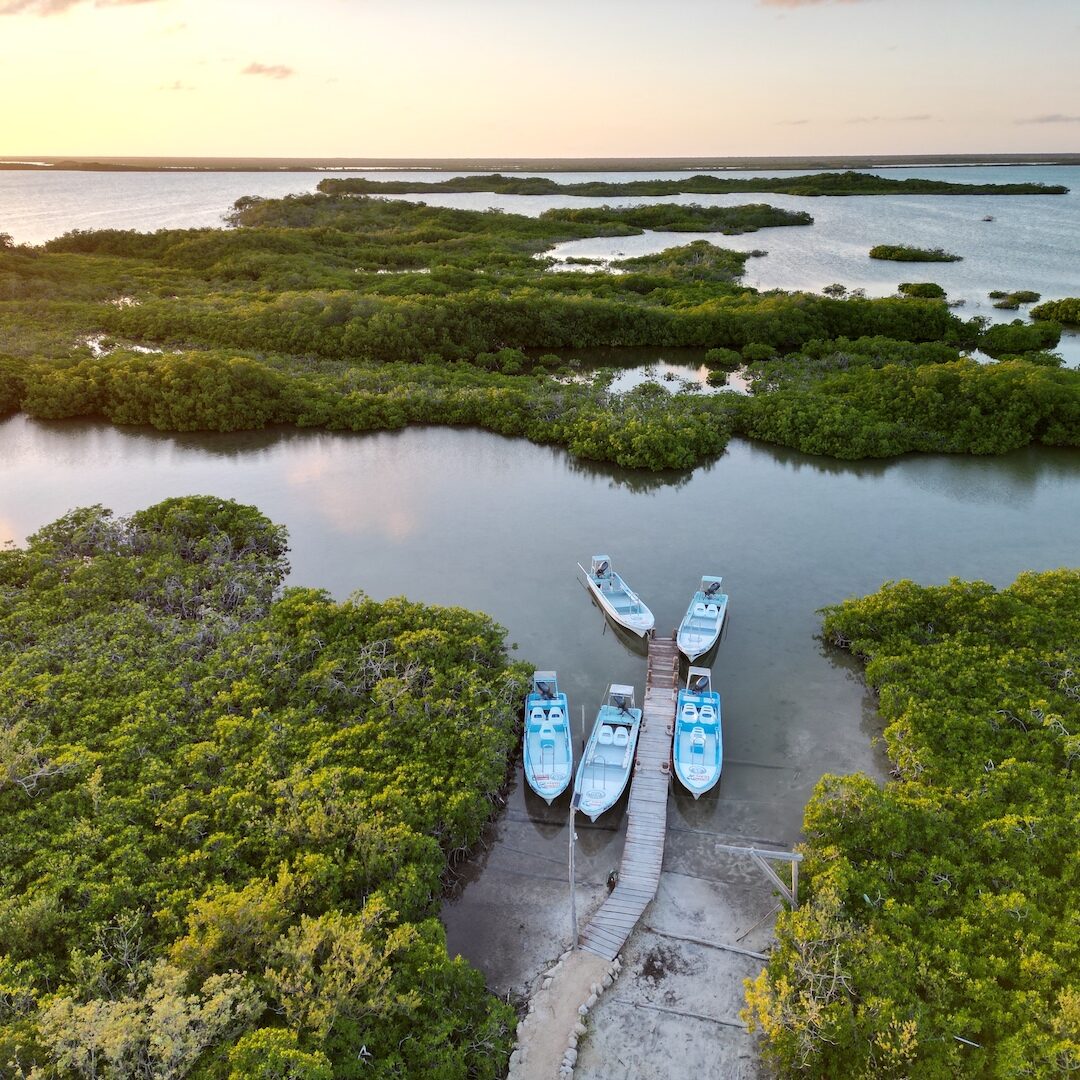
643,855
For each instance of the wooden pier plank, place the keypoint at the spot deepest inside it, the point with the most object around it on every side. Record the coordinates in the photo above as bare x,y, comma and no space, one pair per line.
643,851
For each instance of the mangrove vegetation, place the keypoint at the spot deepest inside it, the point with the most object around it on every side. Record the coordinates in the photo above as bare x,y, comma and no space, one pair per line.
227,811
679,217
928,290
905,253
1010,301
1065,311
937,935
812,184
362,314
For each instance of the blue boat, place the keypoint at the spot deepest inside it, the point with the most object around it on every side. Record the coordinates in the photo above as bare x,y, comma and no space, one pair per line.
698,749
616,597
700,628
549,750
609,753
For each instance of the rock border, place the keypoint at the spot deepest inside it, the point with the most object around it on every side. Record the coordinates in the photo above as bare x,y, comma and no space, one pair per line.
517,1066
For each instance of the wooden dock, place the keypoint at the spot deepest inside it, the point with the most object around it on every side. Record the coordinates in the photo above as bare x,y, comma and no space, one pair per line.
643,855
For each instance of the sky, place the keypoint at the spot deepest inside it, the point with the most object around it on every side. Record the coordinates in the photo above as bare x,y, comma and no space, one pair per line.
537,78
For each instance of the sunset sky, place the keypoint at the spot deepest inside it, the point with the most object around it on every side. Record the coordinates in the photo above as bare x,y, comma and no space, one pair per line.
427,78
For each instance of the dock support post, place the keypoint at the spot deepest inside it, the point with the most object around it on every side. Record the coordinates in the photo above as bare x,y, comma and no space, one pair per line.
573,883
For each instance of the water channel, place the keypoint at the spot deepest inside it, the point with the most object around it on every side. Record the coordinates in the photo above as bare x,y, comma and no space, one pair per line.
458,516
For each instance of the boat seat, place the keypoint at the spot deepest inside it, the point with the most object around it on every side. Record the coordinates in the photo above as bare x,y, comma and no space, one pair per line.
712,611
621,736
697,741
707,714
606,736
689,713
536,715
555,718
547,737
700,611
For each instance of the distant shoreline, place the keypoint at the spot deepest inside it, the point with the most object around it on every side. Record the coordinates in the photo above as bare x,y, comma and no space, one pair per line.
36,163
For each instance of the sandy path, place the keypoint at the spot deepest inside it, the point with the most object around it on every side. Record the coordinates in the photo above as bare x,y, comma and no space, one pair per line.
546,1033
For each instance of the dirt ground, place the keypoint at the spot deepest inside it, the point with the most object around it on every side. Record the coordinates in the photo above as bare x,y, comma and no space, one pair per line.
673,1012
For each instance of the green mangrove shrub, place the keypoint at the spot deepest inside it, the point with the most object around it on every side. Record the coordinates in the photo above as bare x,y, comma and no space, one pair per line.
227,810
934,938
906,253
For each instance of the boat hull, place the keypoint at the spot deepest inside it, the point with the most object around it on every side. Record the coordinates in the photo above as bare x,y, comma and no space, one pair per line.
639,623
606,765
699,632
698,743
548,750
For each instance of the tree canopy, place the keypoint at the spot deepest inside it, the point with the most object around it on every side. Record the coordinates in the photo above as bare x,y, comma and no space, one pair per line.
938,936
226,811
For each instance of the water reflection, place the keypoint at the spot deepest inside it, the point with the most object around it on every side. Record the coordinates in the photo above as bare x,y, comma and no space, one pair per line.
797,462
638,481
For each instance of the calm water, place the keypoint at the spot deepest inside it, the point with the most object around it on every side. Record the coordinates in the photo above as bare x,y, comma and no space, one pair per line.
1032,243
457,516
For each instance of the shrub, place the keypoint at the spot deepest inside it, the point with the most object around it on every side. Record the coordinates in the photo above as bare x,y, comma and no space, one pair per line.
928,290
724,359
1019,337
903,253
1062,311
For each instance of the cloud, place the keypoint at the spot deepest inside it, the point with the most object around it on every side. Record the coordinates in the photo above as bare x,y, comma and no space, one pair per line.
912,119
270,71
1050,118
55,7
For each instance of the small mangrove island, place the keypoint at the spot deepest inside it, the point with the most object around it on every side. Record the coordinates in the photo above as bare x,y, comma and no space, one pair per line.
1065,311
677,217
812,184
928,290
905,253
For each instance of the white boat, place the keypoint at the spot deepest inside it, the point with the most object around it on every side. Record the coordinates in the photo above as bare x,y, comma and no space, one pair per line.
609,754
548,747
704,619
698,748
616,597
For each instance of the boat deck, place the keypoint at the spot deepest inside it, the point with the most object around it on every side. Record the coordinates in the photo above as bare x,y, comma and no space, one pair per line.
643,855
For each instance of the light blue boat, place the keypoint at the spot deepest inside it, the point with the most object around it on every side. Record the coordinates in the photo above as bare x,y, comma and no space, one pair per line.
549,750
616,597
698,749
609,753
704,619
